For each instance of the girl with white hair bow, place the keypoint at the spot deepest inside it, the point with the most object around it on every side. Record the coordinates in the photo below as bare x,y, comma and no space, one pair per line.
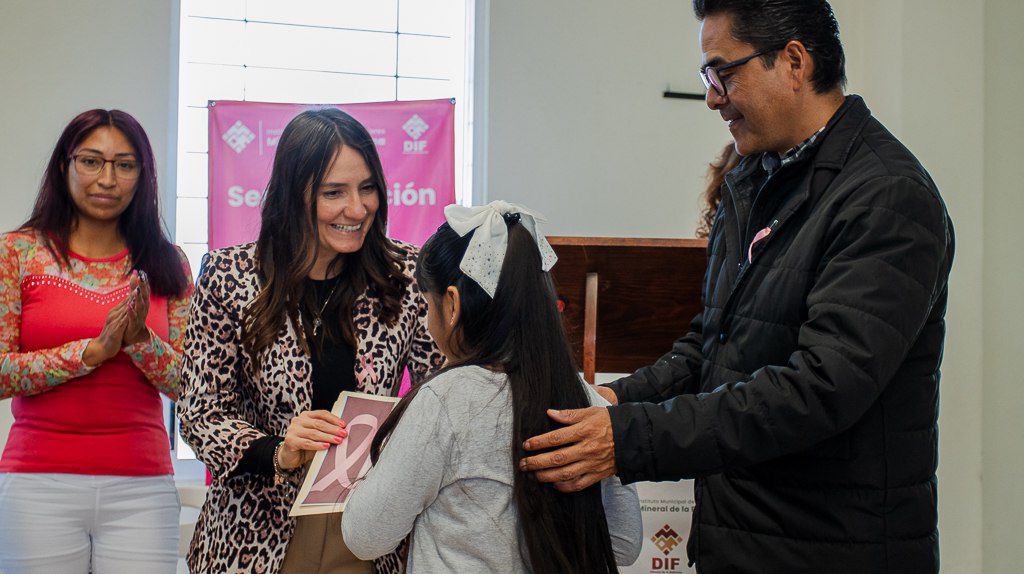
446,461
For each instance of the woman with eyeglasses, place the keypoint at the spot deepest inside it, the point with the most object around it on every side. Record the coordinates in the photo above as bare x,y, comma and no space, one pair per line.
322,302
93,303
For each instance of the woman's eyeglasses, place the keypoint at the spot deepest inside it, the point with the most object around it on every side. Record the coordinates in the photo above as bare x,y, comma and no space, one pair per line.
90,164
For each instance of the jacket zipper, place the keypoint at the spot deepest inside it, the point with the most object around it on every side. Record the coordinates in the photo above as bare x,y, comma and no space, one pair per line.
698,484
775,226
744,263
745,266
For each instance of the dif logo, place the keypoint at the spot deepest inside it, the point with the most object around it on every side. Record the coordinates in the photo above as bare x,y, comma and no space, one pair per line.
670,564
415,127
666,539
417,147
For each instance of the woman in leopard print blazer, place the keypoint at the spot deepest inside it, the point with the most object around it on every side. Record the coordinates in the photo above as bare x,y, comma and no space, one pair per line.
322,302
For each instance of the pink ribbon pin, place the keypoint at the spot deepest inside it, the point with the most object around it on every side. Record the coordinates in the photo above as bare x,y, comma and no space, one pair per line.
760,235
366,371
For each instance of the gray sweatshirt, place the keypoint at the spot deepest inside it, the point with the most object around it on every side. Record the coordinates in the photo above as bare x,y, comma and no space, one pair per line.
446,476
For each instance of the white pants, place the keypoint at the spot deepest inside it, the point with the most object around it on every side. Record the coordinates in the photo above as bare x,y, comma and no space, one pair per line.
71,523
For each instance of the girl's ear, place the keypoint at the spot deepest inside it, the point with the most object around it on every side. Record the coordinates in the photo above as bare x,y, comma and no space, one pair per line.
452,309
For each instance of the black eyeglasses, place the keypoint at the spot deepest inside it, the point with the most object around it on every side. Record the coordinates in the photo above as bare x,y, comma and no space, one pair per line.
711,74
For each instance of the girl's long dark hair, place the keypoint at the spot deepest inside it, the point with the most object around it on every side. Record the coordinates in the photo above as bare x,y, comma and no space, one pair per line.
55,214
288,240
520,332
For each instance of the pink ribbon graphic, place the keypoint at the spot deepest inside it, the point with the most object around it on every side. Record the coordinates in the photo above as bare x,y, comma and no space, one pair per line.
345,462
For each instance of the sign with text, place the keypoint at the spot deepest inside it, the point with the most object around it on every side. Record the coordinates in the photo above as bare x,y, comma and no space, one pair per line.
415,140
667,508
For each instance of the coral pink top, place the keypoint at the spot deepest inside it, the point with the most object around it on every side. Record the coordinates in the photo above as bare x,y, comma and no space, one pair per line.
69,417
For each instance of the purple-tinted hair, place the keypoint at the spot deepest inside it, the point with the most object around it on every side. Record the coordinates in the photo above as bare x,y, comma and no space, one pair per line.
55,213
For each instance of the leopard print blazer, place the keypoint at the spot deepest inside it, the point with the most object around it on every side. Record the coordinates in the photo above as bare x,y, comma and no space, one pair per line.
226,404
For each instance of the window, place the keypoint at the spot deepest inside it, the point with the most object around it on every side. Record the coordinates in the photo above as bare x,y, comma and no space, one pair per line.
313,51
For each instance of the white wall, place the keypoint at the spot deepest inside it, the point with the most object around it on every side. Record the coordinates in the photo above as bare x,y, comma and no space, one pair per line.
577,125
60,58
578,130
943,123
1003,431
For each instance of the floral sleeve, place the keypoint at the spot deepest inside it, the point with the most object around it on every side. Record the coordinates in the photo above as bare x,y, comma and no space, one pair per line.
160,360
34,372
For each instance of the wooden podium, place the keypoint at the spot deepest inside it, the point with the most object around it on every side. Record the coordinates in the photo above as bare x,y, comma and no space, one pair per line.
626,300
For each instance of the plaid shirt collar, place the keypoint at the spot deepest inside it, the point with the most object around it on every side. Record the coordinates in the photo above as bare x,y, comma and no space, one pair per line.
771,161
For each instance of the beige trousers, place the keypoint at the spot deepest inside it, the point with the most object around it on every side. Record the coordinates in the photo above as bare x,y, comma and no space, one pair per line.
318,548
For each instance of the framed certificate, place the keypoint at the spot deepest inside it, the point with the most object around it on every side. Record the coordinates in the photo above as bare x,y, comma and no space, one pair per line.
335,472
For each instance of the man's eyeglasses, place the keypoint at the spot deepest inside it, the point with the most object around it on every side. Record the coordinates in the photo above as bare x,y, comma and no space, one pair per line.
89,164
711,75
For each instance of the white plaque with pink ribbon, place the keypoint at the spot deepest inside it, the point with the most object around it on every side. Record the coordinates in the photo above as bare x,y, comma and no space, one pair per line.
335,472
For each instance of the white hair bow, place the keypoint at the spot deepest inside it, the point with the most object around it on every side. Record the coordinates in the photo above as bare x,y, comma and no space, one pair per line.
486,251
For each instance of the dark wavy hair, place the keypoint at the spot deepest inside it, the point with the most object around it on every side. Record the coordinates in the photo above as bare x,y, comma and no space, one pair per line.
55,214
764,24
520,332
288,241
727,159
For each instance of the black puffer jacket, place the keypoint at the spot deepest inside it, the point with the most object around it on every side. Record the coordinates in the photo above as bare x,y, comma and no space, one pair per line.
805,398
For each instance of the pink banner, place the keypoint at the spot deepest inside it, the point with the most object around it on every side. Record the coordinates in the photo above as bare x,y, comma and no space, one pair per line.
416,142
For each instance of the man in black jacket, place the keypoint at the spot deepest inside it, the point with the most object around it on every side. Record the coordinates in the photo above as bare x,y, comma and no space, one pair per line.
804,398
